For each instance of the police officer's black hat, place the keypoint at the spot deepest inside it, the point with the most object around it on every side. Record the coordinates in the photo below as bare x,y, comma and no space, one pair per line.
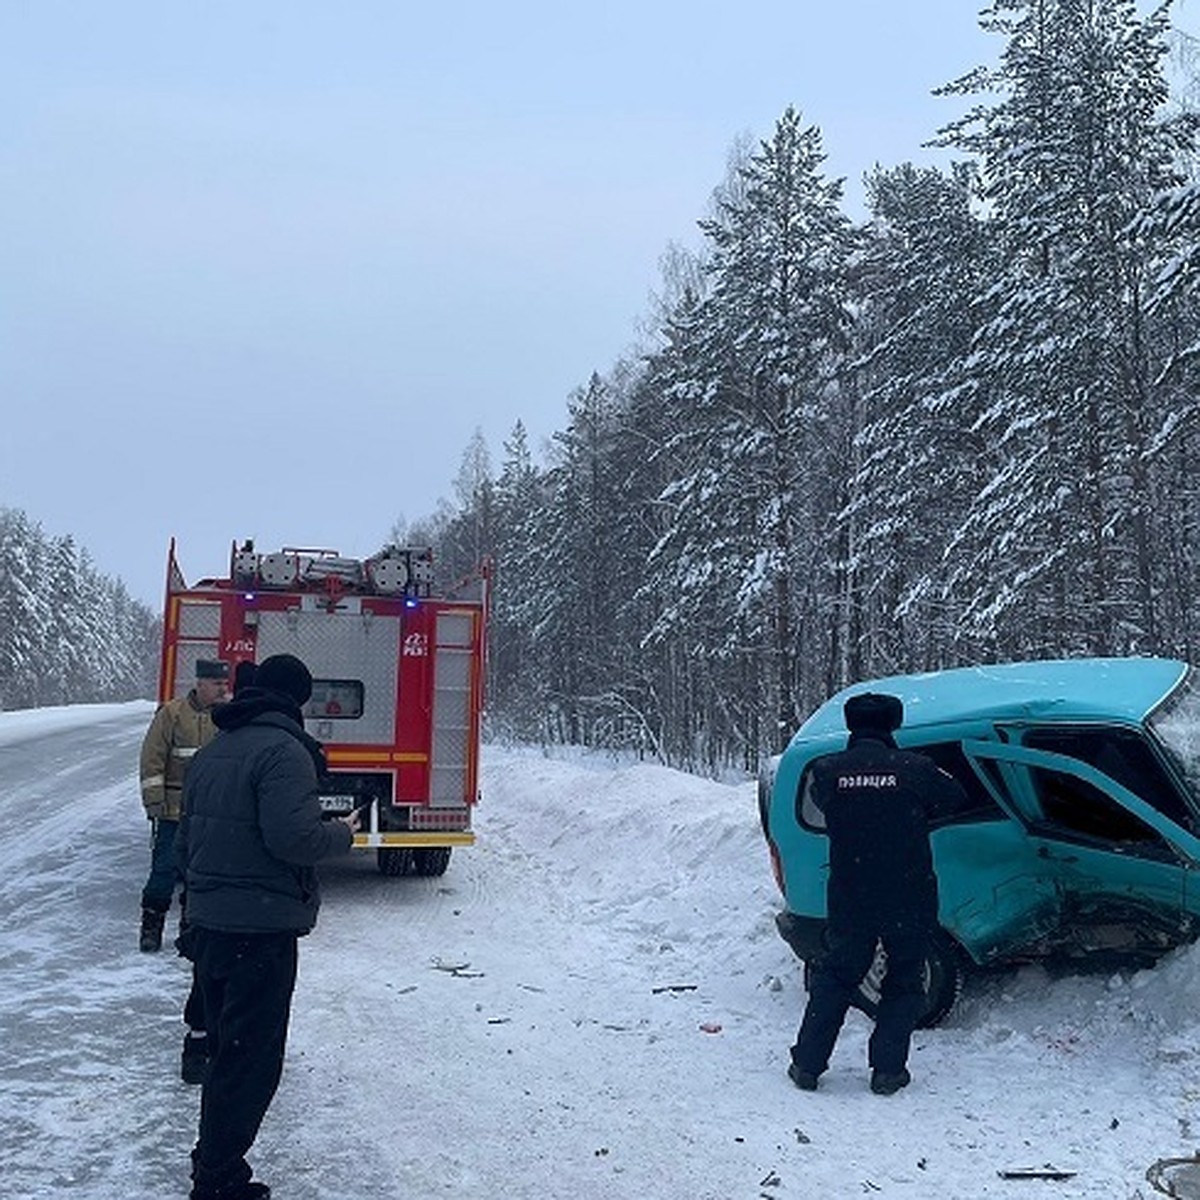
211,668
874,711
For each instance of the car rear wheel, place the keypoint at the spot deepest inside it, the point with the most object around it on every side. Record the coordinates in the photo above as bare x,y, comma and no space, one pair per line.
944,978
945,974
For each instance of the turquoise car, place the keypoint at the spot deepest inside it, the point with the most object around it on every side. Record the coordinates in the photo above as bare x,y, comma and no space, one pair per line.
1077,842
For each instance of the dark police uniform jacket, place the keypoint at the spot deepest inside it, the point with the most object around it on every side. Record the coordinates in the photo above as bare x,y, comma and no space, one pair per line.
877,802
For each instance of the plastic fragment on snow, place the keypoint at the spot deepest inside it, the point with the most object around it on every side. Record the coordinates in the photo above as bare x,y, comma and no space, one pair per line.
458,970
710,1027
1044,1172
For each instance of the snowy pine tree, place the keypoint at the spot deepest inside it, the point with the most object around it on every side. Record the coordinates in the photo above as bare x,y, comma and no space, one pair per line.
760,483
923,263
1055,554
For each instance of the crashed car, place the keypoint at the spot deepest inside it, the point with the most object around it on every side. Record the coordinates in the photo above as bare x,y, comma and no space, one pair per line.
1077,841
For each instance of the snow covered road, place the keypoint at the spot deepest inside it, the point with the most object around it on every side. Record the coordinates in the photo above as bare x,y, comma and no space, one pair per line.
592,1003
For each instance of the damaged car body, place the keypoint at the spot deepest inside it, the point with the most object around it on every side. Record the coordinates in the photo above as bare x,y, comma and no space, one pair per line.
1077,841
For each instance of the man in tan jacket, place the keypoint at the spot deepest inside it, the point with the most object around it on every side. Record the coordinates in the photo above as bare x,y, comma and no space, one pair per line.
180,727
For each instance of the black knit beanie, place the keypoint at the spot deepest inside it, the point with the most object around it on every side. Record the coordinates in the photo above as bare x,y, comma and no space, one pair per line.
243,676
284,673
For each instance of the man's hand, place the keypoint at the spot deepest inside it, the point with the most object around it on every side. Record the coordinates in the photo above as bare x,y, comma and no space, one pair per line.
354,820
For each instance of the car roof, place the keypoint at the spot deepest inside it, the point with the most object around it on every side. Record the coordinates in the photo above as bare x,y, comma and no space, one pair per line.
1068,689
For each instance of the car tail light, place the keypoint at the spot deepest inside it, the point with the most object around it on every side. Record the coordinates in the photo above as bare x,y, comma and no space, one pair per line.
776,866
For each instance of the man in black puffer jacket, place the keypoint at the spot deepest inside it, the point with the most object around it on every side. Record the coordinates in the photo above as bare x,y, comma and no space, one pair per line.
248,844
877,801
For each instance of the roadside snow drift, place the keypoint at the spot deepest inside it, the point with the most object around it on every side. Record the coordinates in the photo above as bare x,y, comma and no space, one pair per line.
592,1003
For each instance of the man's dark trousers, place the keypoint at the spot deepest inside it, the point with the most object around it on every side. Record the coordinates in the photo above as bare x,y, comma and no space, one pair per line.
193,1009
848,956
246,980
164,872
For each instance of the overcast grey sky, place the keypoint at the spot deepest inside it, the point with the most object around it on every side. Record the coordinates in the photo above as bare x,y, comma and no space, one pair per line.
266,266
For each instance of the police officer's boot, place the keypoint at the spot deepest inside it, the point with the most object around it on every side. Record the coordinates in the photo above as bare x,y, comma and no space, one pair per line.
152,930
887,1083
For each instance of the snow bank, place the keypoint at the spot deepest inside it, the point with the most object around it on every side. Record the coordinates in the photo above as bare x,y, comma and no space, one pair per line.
21,724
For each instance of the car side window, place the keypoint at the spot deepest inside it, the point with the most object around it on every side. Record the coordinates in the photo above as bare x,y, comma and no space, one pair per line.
978,804
1074,804
1125,757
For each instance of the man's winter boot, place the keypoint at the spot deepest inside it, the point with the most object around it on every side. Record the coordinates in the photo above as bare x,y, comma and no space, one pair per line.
887,1083
806,1081
193,1066
251,1190
152,930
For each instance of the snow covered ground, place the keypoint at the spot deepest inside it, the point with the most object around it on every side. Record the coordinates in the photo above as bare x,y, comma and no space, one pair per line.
592,1003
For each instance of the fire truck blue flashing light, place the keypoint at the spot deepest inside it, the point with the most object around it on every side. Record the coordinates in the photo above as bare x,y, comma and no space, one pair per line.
410,602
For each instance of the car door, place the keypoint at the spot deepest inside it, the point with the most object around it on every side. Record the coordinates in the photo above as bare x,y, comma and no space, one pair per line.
1106,848
994,893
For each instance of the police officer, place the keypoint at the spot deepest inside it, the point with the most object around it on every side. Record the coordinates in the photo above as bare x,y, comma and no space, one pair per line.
876,800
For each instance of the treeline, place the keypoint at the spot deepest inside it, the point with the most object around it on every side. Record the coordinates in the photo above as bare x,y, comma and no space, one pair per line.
961,431
68,634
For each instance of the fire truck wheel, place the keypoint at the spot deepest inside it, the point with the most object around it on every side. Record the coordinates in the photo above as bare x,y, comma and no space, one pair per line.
431,861
393,860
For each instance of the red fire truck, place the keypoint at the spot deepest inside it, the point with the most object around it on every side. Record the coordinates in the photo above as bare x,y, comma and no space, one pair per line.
397,680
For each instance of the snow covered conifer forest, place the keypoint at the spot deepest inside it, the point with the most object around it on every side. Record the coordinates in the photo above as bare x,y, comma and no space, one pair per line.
68,633
960,430
963,431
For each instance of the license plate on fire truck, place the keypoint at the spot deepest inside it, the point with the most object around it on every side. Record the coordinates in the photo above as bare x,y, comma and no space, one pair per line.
336,804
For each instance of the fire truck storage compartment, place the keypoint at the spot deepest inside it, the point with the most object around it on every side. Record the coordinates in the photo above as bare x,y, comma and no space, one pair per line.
451,710
348,644
199,637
